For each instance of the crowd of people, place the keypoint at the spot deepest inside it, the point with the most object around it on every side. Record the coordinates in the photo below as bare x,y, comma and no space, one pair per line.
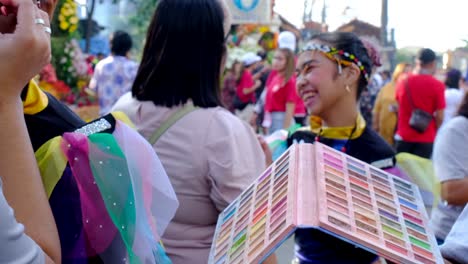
103,193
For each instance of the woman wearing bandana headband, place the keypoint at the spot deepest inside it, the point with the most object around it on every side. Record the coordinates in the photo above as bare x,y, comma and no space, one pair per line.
332,72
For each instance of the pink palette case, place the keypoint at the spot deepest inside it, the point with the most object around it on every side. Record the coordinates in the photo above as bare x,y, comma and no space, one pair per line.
315,186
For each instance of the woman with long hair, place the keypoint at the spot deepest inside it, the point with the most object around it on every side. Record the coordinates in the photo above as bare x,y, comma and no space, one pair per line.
332,72
281,94
451,167
209,154
229,86
386,107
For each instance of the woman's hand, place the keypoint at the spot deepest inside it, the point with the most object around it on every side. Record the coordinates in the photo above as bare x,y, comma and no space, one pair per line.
266,150
24,50
24,45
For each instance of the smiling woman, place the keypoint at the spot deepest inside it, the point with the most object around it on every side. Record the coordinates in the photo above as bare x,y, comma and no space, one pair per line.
332,72
333,76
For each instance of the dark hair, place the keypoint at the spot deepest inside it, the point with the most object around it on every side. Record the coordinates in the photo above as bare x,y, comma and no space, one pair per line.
267,36
241,71
426,56
463,110
387,74
262,54
183,54
121,43
349,42
452,78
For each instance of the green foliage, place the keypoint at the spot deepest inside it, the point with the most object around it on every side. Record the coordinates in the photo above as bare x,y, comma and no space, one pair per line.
143,14
140,21
58,53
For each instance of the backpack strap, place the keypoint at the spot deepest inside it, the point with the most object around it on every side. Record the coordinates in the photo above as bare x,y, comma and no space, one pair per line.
171,120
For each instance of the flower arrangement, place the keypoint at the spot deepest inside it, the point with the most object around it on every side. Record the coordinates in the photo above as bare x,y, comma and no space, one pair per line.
67,17
236,54
48,82
75,59
70,61
255,28
73,69
254,39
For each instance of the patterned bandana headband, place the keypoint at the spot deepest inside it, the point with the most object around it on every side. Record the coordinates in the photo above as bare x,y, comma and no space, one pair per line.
330,52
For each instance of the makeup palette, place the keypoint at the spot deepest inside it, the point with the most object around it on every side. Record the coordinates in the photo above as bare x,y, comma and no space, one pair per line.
314,186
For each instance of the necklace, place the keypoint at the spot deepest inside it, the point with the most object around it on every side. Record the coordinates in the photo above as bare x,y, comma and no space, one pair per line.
345,146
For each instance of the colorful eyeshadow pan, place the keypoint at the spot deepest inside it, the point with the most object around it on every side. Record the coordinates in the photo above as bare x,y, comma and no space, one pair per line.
314,186
367,235
357,175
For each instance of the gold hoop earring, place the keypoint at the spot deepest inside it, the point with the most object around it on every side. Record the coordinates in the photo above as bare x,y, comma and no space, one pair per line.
348,89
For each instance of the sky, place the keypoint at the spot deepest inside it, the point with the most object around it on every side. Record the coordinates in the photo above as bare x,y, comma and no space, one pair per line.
436,24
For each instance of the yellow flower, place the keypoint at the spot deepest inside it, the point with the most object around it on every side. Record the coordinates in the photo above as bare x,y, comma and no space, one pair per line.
263,29
81,84
73,20
64,25
67,12
61,17
72,28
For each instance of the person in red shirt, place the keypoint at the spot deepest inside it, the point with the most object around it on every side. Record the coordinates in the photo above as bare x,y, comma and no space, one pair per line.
281,94
247,85
420,91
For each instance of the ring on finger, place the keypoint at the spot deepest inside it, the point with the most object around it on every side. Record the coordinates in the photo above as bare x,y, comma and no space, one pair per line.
39,21
48,30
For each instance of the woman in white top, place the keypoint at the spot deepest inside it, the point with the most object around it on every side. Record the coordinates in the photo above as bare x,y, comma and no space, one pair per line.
451,167
453,93
456,242
23,28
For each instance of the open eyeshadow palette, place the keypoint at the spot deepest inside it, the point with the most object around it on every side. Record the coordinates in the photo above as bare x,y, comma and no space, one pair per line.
314,186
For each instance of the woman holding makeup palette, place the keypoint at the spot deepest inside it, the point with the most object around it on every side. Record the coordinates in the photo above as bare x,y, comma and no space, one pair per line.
332,72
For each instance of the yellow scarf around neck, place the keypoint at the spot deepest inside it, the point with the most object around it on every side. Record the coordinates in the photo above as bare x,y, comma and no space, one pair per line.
36,100
317,127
